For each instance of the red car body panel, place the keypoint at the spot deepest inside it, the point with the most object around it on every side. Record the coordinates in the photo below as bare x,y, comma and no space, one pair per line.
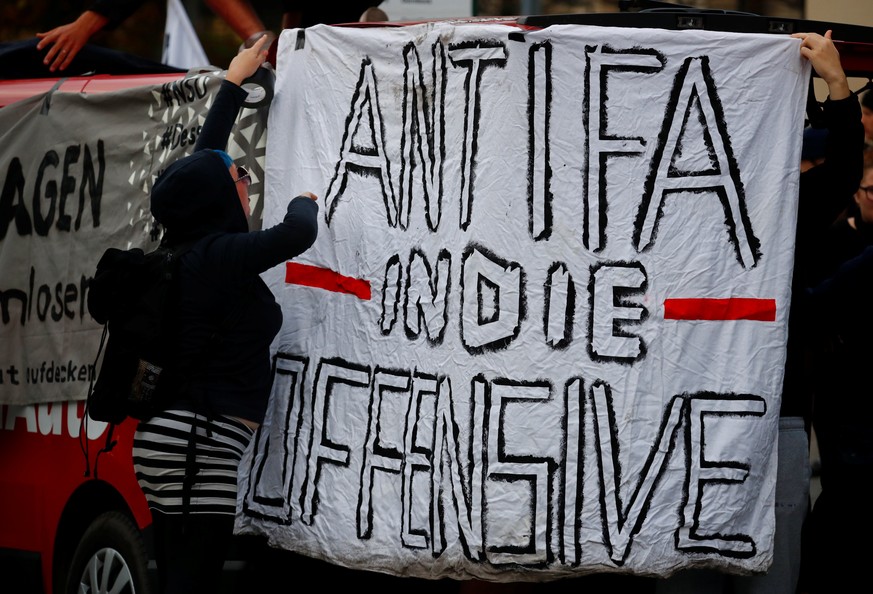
16,90
52,461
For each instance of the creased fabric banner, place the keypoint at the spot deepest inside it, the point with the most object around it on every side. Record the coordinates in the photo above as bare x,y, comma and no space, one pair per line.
76,173
542,330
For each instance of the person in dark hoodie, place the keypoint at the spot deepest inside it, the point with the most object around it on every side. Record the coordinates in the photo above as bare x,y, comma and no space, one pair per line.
186,457
840,350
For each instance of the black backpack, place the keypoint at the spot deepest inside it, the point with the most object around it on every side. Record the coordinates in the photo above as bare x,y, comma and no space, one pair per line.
134,294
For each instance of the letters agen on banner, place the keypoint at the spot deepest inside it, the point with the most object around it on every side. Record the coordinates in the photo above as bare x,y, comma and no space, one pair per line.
542,330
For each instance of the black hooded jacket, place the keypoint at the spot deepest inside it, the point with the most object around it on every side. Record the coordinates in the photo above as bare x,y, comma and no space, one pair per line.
227,315
825,190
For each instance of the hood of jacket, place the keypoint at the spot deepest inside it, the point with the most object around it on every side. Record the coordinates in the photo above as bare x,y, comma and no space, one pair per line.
196,196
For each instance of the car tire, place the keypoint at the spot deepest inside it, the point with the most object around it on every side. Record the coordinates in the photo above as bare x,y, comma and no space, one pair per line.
110,557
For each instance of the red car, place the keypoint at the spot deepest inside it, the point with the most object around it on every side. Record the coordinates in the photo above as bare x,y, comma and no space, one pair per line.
69,509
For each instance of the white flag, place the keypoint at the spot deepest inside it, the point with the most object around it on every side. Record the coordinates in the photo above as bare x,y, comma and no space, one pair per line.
182,48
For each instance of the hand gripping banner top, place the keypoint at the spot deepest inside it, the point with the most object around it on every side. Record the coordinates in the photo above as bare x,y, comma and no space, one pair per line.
542,330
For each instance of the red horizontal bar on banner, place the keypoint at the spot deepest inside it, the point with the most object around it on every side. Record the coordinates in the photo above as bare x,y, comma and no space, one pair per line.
327,279
733,308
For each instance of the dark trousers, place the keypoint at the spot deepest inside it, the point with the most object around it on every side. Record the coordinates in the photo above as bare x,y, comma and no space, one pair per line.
190,551
842,524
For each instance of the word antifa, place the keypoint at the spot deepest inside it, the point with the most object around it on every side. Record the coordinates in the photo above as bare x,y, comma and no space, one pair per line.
694,98
469,489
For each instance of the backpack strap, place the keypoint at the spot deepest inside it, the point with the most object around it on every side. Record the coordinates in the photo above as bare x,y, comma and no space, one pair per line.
191,469
83,424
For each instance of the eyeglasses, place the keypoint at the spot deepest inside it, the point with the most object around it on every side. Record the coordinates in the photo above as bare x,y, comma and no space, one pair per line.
868,189
244,176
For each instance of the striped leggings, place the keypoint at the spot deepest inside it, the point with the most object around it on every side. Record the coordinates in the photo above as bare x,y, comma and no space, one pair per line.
180,444
186,463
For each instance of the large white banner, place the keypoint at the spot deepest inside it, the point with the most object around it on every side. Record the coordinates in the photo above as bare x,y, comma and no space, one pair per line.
542,330
75,175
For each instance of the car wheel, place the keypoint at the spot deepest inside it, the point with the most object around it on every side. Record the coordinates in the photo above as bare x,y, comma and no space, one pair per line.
110,557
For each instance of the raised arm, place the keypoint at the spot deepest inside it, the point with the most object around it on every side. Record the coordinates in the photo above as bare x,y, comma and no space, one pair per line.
223,113
825,59
244,255
239,15
826,189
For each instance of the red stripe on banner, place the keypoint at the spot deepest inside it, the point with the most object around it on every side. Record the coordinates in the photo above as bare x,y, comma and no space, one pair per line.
324,278
735,308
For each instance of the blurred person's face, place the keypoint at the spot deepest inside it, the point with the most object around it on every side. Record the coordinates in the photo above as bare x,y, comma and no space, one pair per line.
242,179
864,196
867,120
